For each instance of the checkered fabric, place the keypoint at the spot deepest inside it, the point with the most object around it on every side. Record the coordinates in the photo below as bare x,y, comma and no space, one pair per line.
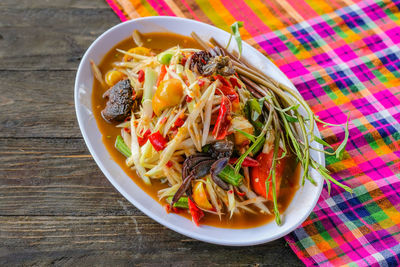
343,56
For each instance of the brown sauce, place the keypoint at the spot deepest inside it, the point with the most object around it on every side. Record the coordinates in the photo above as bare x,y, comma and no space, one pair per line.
158,42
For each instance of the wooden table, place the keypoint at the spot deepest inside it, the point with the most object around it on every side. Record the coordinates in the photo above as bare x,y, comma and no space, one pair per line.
56,207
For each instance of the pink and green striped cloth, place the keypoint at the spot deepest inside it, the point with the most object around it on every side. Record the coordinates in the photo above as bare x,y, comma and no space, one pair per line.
342,55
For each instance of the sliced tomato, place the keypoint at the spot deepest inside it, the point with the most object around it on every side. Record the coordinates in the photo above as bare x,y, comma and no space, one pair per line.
259,174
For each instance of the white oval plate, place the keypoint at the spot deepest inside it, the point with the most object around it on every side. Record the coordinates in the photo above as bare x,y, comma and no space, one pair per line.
299,209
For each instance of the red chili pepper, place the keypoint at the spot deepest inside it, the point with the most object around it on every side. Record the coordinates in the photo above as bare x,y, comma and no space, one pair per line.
170,209
158,141
196,213
225,90
163,120
179,122
222,80
248,162
140,76
169,164
163,71
127,130
233,98
183,61
167,208
176,210
228,89
229,92
234,82
238,192
188,99
223,123
201,83
142,140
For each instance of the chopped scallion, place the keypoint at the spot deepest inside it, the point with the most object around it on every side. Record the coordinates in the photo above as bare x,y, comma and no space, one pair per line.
122,147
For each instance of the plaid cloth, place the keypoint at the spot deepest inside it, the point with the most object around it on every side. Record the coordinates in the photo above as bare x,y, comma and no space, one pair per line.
343,56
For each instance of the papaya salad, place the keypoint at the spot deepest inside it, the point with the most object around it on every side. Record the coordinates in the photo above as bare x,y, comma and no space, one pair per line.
217,134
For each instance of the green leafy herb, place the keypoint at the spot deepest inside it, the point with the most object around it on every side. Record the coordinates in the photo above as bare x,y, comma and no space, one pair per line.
236,34
340,149
255,144
322,142
294,107
258,147
253,112
255,109
274,196
291,118
247,135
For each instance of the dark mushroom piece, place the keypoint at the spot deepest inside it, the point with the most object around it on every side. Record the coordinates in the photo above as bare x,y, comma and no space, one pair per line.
119,103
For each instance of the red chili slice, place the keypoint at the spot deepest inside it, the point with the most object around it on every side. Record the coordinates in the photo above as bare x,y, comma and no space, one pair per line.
158,141
222,80
237,192
183,61
196,213
223,123
234,82
142,140
140,76
178,123
248,162
163,71
188,99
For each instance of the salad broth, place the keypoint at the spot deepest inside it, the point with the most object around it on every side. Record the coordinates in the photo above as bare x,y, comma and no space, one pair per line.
159,42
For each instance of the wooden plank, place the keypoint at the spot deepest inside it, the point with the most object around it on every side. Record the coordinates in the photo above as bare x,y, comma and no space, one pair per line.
61,36
37,104
54,177
120,240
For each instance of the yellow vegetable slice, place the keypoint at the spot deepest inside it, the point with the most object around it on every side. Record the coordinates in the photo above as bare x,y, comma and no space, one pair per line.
200,196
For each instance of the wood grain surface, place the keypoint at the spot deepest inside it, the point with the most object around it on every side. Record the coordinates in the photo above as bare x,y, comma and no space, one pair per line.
56,207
